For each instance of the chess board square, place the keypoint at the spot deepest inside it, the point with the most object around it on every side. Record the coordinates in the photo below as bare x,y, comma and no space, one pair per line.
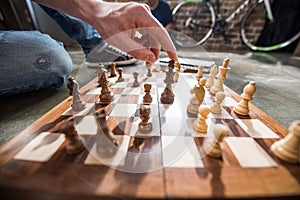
95,91
117,90
88,108
41,148
228,101
87,126
120,125
249,153
120,85
128,99
133,90
176,126
124,110
256,129
180,152
223,115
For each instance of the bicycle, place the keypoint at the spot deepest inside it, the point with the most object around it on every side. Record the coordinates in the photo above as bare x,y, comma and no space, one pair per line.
198,19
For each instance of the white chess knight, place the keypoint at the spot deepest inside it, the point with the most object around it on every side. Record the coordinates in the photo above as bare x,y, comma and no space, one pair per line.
197,99
211,145
77,104
288,148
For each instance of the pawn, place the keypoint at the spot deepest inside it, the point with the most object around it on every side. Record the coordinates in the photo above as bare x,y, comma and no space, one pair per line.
112,70
216,107
106,95
200,72
212,75
200,124
147,99
145,126
211,145
73,144
148,66
135,82
242,108
120,72
288,148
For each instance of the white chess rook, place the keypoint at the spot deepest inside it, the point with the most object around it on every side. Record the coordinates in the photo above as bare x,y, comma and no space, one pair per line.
288,148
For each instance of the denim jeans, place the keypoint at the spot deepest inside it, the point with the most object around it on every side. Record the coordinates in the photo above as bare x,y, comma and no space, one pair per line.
86,36
31,61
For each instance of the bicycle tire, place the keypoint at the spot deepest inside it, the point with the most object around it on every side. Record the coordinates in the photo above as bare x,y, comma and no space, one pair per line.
195,28
250,36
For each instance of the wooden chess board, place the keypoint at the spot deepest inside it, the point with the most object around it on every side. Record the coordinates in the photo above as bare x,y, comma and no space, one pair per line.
166,163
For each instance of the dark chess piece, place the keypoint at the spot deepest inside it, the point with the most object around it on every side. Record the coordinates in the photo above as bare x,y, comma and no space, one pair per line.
70,85
106,96
101,74
120,72
167,96
135,82
74,144
101,117
147,99
145,126
112,70
148,65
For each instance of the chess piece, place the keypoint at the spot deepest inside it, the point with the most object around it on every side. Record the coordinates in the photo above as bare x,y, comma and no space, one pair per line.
197,99
218,86
177,70
147,99
288,148
145,126
135,82
101,74
73,142
120,72
212,75
167,96
200,72
216,107
200,124
101,118
242,108
77,103
148,66
112,70
106,95
211,145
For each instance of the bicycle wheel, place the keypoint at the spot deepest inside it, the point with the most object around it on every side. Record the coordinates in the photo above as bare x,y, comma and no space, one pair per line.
195,19
253,24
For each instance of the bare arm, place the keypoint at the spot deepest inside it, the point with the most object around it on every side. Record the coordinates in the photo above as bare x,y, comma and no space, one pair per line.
115,22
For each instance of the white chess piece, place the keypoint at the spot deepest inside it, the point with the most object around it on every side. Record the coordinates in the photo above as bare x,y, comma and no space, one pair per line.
197,99
212,75
211,145
200,72
242,108
216,107
288,148
200,124
77,103
218,86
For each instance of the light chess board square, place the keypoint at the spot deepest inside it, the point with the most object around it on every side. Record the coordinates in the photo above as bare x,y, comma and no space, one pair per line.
89,107
41,148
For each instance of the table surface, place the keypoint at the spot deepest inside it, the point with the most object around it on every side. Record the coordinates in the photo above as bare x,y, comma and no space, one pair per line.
66,176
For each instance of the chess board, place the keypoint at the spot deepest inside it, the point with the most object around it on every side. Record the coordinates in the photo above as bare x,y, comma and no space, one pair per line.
166,163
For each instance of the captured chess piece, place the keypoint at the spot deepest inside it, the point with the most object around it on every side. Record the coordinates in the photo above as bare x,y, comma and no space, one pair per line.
112,67
147,99
212,75
145,126
288,148
135,82
106,96
120,72
200,72
216,107
242,108
73,142
167,96
101,74
200,124
218,86
77,103
211,145
197,99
